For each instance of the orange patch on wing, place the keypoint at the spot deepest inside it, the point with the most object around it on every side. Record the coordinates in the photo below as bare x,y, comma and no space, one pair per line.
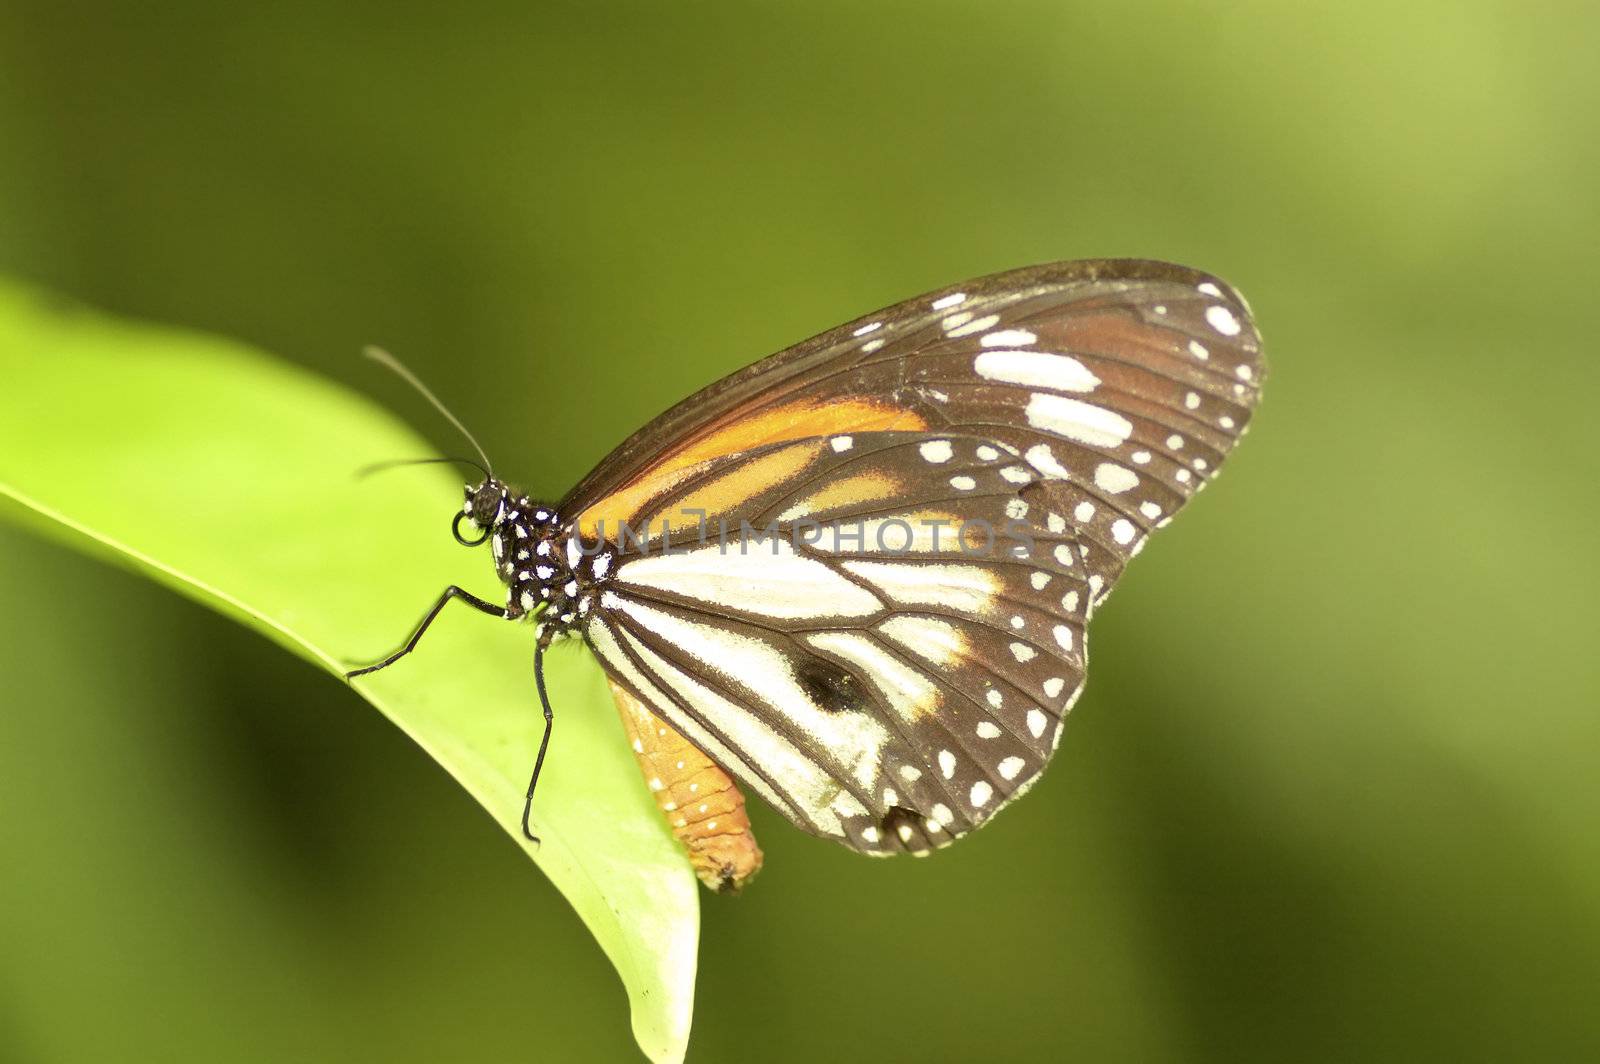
701,803
604,518
797,420
722,494
849,491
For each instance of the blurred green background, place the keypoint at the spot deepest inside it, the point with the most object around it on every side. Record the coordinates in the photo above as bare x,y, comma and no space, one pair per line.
1331,794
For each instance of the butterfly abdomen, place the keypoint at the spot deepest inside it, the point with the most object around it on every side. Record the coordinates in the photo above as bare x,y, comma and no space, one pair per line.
702,805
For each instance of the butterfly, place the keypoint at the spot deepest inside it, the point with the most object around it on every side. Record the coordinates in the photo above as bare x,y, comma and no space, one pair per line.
855,576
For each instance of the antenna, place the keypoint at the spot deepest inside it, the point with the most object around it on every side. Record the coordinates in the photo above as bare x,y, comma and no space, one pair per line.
379,467
384,358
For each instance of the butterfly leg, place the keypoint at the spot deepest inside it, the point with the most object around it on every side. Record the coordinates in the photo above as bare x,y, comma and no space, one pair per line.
546,634
451,592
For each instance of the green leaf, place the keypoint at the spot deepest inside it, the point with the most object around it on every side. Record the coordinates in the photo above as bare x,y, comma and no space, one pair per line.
228,476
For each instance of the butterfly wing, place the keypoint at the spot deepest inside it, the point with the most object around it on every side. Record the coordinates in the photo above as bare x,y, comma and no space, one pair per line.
887,666
887,689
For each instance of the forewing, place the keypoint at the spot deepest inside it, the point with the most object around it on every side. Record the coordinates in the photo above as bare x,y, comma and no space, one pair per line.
1123,382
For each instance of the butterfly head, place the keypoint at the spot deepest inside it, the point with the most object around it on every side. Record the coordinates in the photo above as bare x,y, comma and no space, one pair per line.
482,512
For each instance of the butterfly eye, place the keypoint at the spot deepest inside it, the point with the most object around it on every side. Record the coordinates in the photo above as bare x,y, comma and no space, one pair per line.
486,503
455,530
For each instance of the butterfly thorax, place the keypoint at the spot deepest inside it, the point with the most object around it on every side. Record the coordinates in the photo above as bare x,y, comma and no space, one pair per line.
542,565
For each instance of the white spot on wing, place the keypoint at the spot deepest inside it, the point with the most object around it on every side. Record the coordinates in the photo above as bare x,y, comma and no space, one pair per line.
1044,460
1036,722
1221,319
976,326
1077,420
955,299
936,451
1108,476
1035,369
1009,338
